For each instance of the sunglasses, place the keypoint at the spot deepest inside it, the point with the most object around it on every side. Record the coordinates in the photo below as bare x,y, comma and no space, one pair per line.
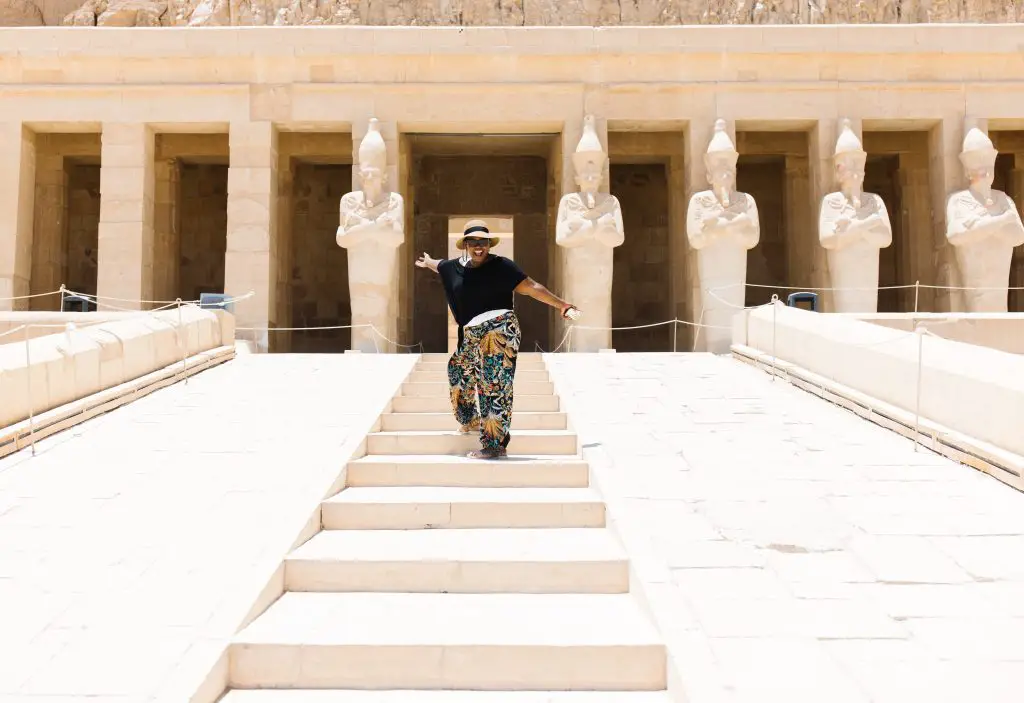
472,242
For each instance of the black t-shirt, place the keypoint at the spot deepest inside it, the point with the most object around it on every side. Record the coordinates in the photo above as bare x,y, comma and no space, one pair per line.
479,289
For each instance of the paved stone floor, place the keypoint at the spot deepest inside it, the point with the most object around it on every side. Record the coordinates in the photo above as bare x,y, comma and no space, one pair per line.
792,551
132,546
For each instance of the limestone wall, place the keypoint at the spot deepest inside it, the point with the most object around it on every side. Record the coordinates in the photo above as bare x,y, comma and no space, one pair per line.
121,13
66,366
882,364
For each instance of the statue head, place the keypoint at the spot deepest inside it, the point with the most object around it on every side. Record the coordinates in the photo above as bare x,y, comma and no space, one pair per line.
589,160
850,159
720,161
373,159
978,156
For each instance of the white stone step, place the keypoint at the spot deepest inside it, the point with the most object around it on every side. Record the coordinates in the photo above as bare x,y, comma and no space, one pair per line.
412,508
432,470
440,388
594,642
522,442
521,402
445,421
322,696
522,376
459,561
442,366
442,357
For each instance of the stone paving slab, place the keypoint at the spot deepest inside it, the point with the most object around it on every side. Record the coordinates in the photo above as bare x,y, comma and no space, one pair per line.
789,550
134,544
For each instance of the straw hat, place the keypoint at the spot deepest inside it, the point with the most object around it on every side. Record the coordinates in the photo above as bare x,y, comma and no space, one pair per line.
475,229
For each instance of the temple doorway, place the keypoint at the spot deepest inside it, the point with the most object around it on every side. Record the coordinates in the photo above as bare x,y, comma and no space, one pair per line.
189,215
65,229
774,168
897,170
456,177
648,283
315,172
1010,179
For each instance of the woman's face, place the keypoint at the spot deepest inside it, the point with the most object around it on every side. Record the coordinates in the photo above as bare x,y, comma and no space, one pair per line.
478,249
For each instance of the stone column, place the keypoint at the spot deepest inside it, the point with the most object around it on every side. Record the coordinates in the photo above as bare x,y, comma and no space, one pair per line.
166,227
365,339
679,284
49,227
821,181
17,199
1016,301
127,184
801,231
250,262
946,175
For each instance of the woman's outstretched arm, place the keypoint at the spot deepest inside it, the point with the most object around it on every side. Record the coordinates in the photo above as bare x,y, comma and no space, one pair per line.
531,288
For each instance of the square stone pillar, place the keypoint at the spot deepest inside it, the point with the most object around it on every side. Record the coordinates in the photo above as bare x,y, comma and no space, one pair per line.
17,201
167,230
801,227
364,339
250,262
822,181
590,340
49,227
1016,300
946,175
127,185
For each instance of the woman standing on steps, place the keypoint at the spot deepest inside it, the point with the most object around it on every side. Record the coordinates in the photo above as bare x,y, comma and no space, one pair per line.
479,287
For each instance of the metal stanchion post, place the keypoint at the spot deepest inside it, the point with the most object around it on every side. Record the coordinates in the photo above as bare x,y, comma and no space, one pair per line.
917,405
775,309
184,343
917,294
31,400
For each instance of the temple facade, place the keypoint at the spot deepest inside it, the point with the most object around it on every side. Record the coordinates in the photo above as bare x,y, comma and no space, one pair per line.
143,166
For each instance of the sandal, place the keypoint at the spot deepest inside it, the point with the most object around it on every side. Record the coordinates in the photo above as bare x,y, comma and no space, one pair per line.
488,453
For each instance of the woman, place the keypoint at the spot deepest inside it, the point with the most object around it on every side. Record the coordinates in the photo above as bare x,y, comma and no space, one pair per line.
479,288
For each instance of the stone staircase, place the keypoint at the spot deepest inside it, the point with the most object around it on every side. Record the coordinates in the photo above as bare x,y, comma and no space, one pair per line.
440,579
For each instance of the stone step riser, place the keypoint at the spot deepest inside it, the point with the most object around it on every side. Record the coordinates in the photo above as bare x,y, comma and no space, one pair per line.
455,444
445,422
459,667
438,404
442,367
489,475
468,515
456,576
443,357
440,388
421,696
522,376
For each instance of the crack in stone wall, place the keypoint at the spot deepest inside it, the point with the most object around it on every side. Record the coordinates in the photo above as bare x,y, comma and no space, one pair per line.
508,13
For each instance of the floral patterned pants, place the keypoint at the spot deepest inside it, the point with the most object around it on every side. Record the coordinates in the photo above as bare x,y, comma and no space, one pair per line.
481,372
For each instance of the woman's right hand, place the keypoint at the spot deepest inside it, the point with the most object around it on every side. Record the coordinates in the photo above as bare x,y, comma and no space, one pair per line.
424,262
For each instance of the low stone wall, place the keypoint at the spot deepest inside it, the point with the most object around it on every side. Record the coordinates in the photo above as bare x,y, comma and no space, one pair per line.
972,390
76,363
1003,331
50,322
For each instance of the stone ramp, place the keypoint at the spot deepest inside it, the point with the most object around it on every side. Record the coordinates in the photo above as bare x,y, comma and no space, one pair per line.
444,576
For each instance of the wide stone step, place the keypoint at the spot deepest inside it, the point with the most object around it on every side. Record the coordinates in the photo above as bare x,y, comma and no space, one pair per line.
411,508
431,470
522,376
442,357
523,442
593,642
445,421
439,404
336,696
440,388
459,561
442,366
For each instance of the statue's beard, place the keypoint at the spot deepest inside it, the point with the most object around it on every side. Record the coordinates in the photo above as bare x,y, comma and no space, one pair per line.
984,192
723,194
